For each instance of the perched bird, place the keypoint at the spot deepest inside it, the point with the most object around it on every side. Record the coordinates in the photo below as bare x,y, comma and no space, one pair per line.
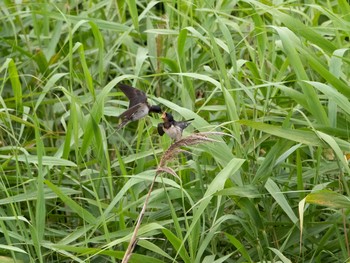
171,127
138,106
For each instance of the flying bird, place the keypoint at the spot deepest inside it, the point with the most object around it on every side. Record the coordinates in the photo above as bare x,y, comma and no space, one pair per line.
171,127
138,106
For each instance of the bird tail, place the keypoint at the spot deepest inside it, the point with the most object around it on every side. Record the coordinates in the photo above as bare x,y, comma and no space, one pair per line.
185,124
122,124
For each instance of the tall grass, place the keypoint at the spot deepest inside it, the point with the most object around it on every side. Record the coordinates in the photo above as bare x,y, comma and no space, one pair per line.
272,76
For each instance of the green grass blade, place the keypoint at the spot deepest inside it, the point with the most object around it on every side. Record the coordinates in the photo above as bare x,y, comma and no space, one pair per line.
78,209
134,14
302,136
329,199
290,41
277,194
176,242
216,185
239,247
16,84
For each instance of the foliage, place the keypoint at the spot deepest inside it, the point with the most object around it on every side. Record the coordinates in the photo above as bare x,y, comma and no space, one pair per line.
273,76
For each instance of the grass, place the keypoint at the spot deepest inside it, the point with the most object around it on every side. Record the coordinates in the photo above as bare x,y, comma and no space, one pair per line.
268,79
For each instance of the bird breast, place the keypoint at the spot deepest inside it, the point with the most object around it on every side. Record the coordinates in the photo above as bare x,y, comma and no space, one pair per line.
174,132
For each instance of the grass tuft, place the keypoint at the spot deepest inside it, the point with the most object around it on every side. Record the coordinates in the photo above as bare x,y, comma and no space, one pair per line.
265,179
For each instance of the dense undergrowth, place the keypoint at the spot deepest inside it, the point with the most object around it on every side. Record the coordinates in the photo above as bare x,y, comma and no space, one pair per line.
272,75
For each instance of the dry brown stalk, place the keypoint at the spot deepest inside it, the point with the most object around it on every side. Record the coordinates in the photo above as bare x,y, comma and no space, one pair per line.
168,155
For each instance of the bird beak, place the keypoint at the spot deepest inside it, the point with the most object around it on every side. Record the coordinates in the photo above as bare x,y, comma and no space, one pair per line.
163,115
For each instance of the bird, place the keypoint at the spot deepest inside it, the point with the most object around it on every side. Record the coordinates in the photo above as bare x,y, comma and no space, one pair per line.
171,127
138,105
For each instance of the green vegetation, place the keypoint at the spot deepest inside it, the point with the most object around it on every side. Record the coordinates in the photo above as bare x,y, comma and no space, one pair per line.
273,76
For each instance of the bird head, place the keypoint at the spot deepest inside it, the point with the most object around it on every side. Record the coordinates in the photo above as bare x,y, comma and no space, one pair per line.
167,117
155,108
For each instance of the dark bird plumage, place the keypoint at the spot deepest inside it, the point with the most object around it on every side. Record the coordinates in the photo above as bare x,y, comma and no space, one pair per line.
171,127
138,106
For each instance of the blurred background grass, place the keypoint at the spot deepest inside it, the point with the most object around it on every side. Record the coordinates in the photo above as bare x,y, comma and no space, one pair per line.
272,75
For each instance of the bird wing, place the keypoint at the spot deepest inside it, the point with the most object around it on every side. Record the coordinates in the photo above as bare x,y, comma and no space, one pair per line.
130,111
160,129
183,124
134,95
